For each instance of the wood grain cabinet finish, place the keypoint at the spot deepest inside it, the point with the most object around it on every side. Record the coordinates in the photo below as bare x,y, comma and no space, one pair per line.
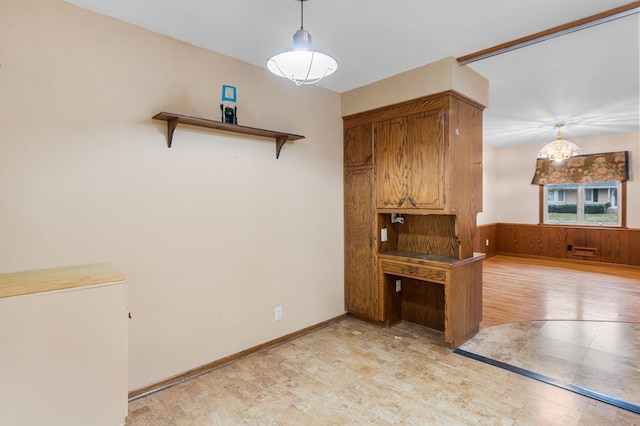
429,156
358,146
442,295
423,159
361,291
404,269
409,167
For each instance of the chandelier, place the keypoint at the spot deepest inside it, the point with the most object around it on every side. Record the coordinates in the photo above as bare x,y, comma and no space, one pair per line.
302,63
559,149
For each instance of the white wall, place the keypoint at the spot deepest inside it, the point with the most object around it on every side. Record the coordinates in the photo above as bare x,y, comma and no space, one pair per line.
508,188
213,233
490,182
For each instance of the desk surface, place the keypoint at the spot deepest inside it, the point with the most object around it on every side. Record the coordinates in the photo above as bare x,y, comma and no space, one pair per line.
429,259
20,283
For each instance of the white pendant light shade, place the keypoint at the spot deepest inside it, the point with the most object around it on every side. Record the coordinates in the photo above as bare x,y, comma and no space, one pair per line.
559,149
302,63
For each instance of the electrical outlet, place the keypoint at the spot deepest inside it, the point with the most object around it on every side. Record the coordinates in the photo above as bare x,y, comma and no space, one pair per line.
398,286
278,313
383,235
487,242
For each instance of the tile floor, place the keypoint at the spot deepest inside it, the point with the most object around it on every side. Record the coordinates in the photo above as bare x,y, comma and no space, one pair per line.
354,373
600,356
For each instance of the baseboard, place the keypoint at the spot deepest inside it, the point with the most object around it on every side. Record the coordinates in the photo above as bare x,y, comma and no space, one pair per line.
188,375
365,319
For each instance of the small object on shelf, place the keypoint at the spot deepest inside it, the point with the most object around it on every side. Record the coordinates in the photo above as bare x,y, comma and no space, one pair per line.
229,114
173,119
228,93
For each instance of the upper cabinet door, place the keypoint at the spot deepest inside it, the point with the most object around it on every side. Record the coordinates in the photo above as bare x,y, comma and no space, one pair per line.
358,146
409,161
392,151
426,180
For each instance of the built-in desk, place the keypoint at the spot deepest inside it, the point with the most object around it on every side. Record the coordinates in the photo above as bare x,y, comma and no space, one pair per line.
438,292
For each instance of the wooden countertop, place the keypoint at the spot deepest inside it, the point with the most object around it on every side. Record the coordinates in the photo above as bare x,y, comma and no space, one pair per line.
19,283
429,259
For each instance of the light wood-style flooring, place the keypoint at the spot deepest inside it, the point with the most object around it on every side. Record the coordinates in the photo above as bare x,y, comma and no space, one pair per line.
354,373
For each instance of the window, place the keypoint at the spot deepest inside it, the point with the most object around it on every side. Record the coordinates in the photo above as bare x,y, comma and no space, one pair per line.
555,195
594,204
591,195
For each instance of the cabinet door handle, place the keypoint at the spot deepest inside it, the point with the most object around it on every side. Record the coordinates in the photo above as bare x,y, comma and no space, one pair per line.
413,202
400,202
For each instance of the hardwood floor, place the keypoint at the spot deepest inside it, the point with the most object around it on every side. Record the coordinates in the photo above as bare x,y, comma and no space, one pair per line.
355,373
526,289
576,323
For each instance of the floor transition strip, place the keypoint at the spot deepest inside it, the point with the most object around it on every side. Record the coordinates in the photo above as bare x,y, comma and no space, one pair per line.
554,382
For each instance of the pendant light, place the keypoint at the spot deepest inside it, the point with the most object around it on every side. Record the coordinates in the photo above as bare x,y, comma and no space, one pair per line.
302,63
559,149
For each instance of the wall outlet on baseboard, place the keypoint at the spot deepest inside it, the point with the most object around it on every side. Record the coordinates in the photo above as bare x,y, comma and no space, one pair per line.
278,313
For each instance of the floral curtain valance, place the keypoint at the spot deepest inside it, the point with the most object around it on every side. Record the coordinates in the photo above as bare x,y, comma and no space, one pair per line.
610,166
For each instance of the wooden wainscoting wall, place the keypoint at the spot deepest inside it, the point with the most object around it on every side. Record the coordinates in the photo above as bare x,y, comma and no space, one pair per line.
596,244
486,239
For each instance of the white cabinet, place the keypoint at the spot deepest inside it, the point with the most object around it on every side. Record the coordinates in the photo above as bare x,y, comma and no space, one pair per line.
63,353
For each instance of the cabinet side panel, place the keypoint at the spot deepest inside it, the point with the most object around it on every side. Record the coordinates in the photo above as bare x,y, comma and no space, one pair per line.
464,156
464,303
360,259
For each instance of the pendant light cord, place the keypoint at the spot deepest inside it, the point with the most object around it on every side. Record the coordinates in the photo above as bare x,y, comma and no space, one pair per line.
301,15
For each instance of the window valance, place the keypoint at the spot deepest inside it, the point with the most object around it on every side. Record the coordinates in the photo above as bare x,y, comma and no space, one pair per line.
609,166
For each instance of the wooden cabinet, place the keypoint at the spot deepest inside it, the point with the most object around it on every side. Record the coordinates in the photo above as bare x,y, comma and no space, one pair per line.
358,146
421,159
440,293
409,167
430,160
361,290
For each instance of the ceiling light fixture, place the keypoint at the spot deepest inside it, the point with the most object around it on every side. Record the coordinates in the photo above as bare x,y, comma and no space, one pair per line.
302,63
559,149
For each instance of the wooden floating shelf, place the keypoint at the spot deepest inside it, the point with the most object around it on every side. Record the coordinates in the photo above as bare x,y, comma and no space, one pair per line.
173,120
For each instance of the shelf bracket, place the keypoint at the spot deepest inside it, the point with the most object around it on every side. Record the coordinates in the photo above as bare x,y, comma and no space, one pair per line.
172,123
280,141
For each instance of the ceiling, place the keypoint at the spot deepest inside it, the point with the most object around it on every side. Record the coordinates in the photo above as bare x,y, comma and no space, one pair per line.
588,79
